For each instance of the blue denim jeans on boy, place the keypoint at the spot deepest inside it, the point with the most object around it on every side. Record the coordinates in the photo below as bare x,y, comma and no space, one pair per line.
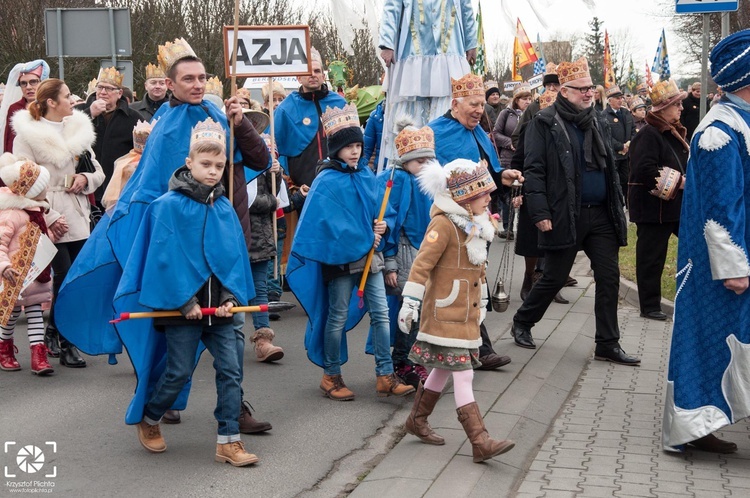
274,284
339,295
260,279
182,344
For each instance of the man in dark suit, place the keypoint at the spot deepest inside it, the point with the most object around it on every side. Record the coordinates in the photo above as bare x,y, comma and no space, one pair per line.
623,130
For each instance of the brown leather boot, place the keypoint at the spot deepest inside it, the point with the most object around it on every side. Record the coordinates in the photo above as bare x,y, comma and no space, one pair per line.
264,349
333,386
249,424
390,385
150,437
235,454
416,424
483,447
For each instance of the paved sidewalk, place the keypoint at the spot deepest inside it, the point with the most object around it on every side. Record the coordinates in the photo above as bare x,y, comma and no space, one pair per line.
582,427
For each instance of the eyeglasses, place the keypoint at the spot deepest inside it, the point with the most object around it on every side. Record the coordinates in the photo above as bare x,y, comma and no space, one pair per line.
32,83
583,89
106,89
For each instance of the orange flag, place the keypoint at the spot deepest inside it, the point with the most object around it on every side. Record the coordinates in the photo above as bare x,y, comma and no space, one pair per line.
523,50
609,73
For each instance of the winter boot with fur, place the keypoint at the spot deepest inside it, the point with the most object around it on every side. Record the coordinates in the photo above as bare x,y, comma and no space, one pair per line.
7,357
416,424
39,363
483,446
264,349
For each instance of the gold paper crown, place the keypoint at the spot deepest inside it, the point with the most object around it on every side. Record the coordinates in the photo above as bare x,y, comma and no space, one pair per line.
490,84
277,87
214,86
522,88
547,99
153,71
111,76
208,131
551,68
411,138
171,52
467,184
91,88
244,94
636,102
336,119
613,90
570,71
315,55
141,131
641,86
664,91
467,85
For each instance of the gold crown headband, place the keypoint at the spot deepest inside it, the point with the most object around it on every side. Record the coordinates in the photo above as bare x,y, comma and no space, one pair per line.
467,85
208,131
336,119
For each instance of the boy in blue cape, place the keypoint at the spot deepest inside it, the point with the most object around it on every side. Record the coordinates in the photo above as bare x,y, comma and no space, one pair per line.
189,254
336,231
414,147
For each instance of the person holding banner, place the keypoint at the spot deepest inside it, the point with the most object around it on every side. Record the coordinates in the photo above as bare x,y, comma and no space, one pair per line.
22,226
424,43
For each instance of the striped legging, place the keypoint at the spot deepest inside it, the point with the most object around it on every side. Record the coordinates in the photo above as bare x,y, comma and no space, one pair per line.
35,324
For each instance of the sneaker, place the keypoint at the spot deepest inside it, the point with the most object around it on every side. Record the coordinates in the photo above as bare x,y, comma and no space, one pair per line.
422,372
408,375
150,437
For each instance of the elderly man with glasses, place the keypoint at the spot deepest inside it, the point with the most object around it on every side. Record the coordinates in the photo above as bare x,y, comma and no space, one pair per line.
573,196
113,122
20,92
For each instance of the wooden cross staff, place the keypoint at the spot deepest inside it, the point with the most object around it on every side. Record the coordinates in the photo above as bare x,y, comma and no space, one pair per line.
233,90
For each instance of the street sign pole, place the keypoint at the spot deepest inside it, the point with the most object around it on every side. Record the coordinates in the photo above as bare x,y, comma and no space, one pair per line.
704,64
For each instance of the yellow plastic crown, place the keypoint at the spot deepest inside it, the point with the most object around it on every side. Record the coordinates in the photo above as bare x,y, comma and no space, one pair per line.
111,76
91,88
214,86
171,52
141,131
490,84
664,90
208,131
336,119
154,71
468,85
410,139
570,71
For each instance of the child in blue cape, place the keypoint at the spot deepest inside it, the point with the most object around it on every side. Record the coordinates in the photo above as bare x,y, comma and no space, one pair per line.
189,254
336,231
414,147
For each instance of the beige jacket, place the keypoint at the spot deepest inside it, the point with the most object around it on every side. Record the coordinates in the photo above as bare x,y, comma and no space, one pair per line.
56,146
448,276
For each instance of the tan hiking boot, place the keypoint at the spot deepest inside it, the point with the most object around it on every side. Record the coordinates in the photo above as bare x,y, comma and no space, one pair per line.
390,385
483,447
333,386
235,454
150,437
264,349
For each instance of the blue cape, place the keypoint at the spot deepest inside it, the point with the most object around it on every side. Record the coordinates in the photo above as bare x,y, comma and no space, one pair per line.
179,245
296,121
454,141
90,285
335,228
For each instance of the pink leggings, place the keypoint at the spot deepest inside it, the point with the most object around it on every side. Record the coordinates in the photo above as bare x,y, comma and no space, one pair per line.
462,384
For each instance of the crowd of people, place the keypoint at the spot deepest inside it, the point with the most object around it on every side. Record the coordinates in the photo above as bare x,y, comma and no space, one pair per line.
142,201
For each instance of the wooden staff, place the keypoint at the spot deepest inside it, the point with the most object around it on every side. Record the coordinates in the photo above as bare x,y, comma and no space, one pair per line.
272,307
233,91
273,181
368,262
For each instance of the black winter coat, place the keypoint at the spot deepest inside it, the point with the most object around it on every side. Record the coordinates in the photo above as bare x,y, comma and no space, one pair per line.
262,211
650,151
553,180
147,107
623,130
691,114
114,138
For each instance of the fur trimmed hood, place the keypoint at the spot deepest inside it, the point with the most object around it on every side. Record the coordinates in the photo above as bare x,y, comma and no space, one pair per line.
480,228
52,148
9,200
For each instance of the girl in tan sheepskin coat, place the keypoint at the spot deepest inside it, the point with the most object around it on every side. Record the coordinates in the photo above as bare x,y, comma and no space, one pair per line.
447,290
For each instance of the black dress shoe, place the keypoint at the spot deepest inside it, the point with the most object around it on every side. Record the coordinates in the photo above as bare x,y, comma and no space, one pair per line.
69,354
655,315
616,355
492,361
559,299
713,444
522,335
171,417
52,341
571,282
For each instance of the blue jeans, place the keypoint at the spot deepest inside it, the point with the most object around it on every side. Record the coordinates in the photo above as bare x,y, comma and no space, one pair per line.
339,295
260,279
238,323
274,284
182,344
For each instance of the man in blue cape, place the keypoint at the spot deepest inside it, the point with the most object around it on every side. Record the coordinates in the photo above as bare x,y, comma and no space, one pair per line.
89,289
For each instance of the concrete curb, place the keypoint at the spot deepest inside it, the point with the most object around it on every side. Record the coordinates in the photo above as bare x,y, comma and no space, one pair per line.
629,294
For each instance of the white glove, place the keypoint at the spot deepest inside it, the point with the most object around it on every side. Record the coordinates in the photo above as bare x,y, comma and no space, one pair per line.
408,314
483,303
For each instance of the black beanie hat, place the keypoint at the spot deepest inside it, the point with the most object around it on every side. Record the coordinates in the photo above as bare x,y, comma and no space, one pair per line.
490,91
550,78
342,138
